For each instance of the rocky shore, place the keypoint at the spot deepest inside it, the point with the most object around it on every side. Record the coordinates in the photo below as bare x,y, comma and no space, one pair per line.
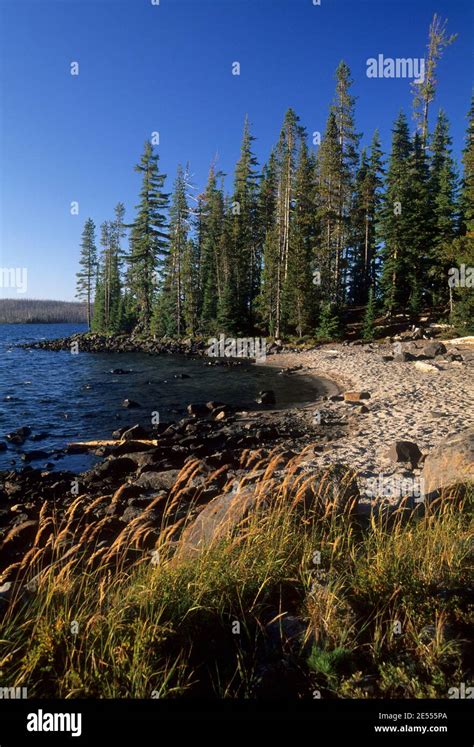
393,414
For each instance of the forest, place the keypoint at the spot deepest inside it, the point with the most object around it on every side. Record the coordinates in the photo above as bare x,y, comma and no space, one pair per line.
301,240
36,311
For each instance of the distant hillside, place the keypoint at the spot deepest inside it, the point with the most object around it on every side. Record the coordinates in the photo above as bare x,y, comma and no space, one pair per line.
31,311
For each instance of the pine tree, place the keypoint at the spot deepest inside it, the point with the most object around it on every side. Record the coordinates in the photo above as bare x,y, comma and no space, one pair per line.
343,110
467,187
424,92
298,304
86,277
443,202
365,214
245,234
171,295
369,317
148,238
286,152
329,327
329,200
267,212
395,219
212,221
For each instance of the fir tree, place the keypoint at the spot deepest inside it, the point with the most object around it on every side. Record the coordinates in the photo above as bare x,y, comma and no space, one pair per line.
212,220
329,327
148,238
86,277
369,317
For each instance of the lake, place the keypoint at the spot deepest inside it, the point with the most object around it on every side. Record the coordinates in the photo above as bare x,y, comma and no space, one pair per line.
76,397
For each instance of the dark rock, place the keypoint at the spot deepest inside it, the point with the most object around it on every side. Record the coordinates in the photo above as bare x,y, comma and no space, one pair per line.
130,403
404,451
266,398
432,349
135,432
3,446
404,357
120,371
197,410
32,456
157,480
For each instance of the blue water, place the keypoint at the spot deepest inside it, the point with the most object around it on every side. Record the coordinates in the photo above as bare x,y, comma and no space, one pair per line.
75,397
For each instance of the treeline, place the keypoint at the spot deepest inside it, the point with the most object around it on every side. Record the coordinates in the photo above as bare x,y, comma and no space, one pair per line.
299,240
33,311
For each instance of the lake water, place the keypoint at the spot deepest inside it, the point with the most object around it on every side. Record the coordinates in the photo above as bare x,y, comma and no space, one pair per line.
76,397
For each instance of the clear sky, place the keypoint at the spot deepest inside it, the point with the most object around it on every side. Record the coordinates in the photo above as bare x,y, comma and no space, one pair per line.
168,68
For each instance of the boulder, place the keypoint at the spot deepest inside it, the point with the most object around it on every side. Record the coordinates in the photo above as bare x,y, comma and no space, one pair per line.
426,367
130,404
404,357
197,410
355,396
432,349
404,451
266,398
157,480
449,464
135,432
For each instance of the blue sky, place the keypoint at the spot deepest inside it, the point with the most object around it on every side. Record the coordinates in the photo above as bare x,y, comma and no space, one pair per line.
168,68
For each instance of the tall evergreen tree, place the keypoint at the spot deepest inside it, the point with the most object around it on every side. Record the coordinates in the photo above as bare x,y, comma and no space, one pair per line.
443,203
395,218
245,235
365,214
86,277
343,110
212,222
171,294
299,299
148,238
424,91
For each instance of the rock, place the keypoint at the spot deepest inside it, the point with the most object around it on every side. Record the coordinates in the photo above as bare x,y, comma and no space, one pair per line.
404,357
111,468
449,464
130,403
266,398
32,456
426,367
221,413
120,371
214,405
19,436
404,451
286,633
135,432
157,480
197,410
3,446
182,376
355,396
432,349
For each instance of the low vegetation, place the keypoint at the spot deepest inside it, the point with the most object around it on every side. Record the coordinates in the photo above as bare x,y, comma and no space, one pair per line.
286,605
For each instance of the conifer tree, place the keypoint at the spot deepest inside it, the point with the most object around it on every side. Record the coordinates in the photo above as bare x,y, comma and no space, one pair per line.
267,212
369,317
424,91
212,221
148,238
365,214
299,306
86,277
245,235
171,294
395,219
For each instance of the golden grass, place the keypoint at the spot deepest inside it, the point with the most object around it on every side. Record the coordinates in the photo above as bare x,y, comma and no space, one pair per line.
136,617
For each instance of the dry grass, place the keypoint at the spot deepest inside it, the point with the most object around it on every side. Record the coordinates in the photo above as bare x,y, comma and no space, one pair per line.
384,610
